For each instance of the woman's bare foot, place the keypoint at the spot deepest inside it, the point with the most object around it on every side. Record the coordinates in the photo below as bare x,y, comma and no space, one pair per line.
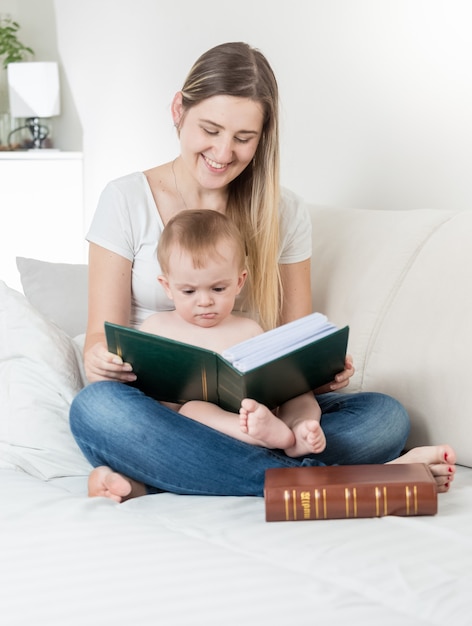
104,482
263,427
309,438
440,459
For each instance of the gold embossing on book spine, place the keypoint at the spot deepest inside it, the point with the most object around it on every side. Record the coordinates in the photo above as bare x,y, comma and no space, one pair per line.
119,350
204,385
321,504
316,497
350,499
305,504
287,504
411,500
407,499
290,505
381,497
378,495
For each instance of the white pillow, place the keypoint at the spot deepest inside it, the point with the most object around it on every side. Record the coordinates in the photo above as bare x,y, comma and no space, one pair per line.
58,291
40,373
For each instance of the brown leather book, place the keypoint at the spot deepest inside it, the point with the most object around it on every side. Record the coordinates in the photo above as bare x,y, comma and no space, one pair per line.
349,491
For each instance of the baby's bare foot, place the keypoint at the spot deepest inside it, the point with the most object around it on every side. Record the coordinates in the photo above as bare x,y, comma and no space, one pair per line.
104,482
440,459
263,427
309,438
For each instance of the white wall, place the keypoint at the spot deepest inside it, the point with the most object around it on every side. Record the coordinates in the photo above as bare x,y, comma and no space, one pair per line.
376,94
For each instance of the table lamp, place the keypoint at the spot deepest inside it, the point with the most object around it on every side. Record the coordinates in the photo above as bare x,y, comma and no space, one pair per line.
34,93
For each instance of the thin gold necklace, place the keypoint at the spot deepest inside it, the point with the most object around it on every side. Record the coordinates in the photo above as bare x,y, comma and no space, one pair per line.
176,185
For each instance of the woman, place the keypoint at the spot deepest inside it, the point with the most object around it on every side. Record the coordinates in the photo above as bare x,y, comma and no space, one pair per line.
226,117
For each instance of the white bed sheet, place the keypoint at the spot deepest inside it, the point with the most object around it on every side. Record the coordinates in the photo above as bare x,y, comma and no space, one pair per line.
183,560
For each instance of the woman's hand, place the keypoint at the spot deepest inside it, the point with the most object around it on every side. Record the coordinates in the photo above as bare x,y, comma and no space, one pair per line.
109,299
103,365
341,380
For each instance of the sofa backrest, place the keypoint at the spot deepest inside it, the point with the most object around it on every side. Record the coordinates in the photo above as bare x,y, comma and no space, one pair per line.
400,280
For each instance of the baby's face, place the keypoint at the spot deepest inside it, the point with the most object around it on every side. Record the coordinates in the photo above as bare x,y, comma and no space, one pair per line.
205,295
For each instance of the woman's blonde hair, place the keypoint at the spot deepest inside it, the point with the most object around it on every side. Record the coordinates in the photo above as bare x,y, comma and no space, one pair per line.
237,69
199,232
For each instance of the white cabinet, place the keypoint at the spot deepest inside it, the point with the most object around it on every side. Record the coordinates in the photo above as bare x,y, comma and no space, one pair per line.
41,209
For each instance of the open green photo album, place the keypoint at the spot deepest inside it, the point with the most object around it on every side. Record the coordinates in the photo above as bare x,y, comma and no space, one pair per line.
271,368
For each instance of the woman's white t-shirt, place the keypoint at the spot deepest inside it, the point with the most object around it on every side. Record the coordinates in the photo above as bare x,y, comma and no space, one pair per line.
128,223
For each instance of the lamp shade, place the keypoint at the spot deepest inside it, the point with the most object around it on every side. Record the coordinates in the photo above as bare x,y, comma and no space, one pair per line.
33,89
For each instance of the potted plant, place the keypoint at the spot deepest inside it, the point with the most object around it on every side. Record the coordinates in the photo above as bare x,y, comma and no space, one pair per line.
11,50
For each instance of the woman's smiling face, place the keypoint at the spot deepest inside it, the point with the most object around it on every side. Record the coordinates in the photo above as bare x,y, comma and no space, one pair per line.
219,137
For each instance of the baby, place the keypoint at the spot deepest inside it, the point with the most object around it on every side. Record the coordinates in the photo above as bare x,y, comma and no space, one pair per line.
202,258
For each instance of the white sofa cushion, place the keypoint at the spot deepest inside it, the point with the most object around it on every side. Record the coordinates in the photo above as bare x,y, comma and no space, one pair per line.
40,373
58,290
400,279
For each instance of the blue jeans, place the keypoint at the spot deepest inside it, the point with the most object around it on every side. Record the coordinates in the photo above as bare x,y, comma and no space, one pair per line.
116,425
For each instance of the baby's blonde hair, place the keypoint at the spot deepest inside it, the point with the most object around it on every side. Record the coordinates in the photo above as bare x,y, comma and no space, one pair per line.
199,233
